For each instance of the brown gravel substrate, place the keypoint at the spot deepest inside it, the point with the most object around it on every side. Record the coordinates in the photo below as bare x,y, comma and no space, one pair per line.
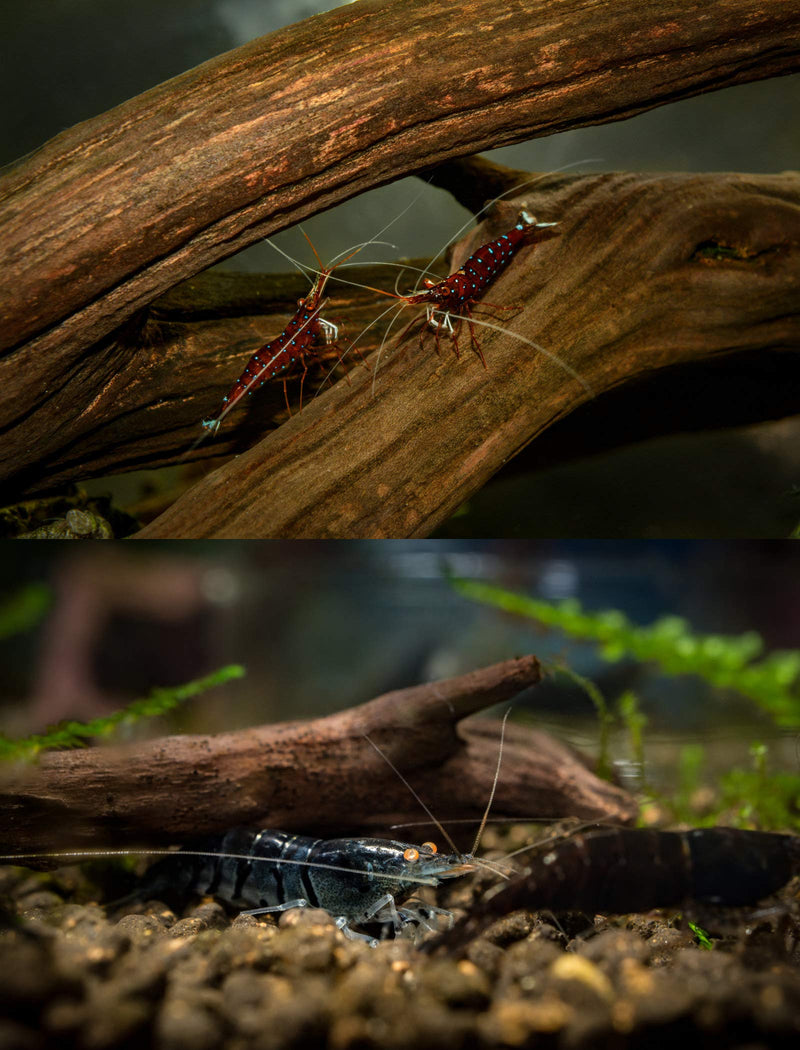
74,977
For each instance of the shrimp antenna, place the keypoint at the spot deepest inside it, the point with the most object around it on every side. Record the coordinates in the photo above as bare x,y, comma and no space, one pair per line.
494,783
541,843
345,255
400,215
364,244
397,772
313,249
89,853
506,193
482,323
328,271
361,334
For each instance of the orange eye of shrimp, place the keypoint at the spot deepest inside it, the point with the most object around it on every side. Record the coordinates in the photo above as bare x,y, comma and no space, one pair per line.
430,847
411,854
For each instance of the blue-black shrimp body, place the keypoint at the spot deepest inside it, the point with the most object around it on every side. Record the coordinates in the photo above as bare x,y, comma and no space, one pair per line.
355,880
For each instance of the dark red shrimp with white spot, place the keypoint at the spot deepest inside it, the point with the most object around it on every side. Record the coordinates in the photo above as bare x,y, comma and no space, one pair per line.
455,295
305,332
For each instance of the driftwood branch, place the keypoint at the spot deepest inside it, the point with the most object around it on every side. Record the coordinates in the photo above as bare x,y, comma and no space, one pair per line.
319,776
650,272
110,214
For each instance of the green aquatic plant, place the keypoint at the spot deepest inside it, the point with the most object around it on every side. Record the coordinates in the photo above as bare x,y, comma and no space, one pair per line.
635,722
759,796
627,710
604,716
724,661
75,734
24,609
701,936
691,762
755,797
743,797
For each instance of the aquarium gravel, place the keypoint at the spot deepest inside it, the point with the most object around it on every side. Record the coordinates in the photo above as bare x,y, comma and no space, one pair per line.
74,975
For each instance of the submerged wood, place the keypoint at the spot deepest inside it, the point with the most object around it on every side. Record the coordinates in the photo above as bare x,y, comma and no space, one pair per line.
319,776
110,214
650,272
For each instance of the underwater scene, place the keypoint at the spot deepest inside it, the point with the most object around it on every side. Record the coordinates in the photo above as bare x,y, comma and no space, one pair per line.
388,792
441,359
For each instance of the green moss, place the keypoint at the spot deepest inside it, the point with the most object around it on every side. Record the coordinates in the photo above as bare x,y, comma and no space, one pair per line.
759,797
724,661
75,734
635,722
24,610
604,716
701,936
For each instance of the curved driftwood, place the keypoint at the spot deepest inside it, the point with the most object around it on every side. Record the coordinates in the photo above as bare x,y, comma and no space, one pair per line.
112,213
650,272
319,776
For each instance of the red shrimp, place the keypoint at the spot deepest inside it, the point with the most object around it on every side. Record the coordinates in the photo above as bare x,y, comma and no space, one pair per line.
455,295
302,337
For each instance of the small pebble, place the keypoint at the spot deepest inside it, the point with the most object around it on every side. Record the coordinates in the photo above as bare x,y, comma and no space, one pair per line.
141,929
577,968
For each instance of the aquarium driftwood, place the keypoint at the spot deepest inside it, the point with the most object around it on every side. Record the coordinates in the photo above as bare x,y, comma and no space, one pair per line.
202,332
650,272
113,212
319,776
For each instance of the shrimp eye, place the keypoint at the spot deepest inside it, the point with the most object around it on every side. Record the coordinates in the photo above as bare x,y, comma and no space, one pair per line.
430,847
411,854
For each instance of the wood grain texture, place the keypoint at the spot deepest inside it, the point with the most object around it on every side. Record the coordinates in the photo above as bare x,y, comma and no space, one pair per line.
179,357
650,272
113,212
319,776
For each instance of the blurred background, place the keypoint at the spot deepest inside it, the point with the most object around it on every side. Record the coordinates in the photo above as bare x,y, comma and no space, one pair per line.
64,61
321,626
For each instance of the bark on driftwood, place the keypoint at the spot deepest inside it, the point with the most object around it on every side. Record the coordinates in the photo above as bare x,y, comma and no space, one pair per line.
650,272
319,776
115,211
